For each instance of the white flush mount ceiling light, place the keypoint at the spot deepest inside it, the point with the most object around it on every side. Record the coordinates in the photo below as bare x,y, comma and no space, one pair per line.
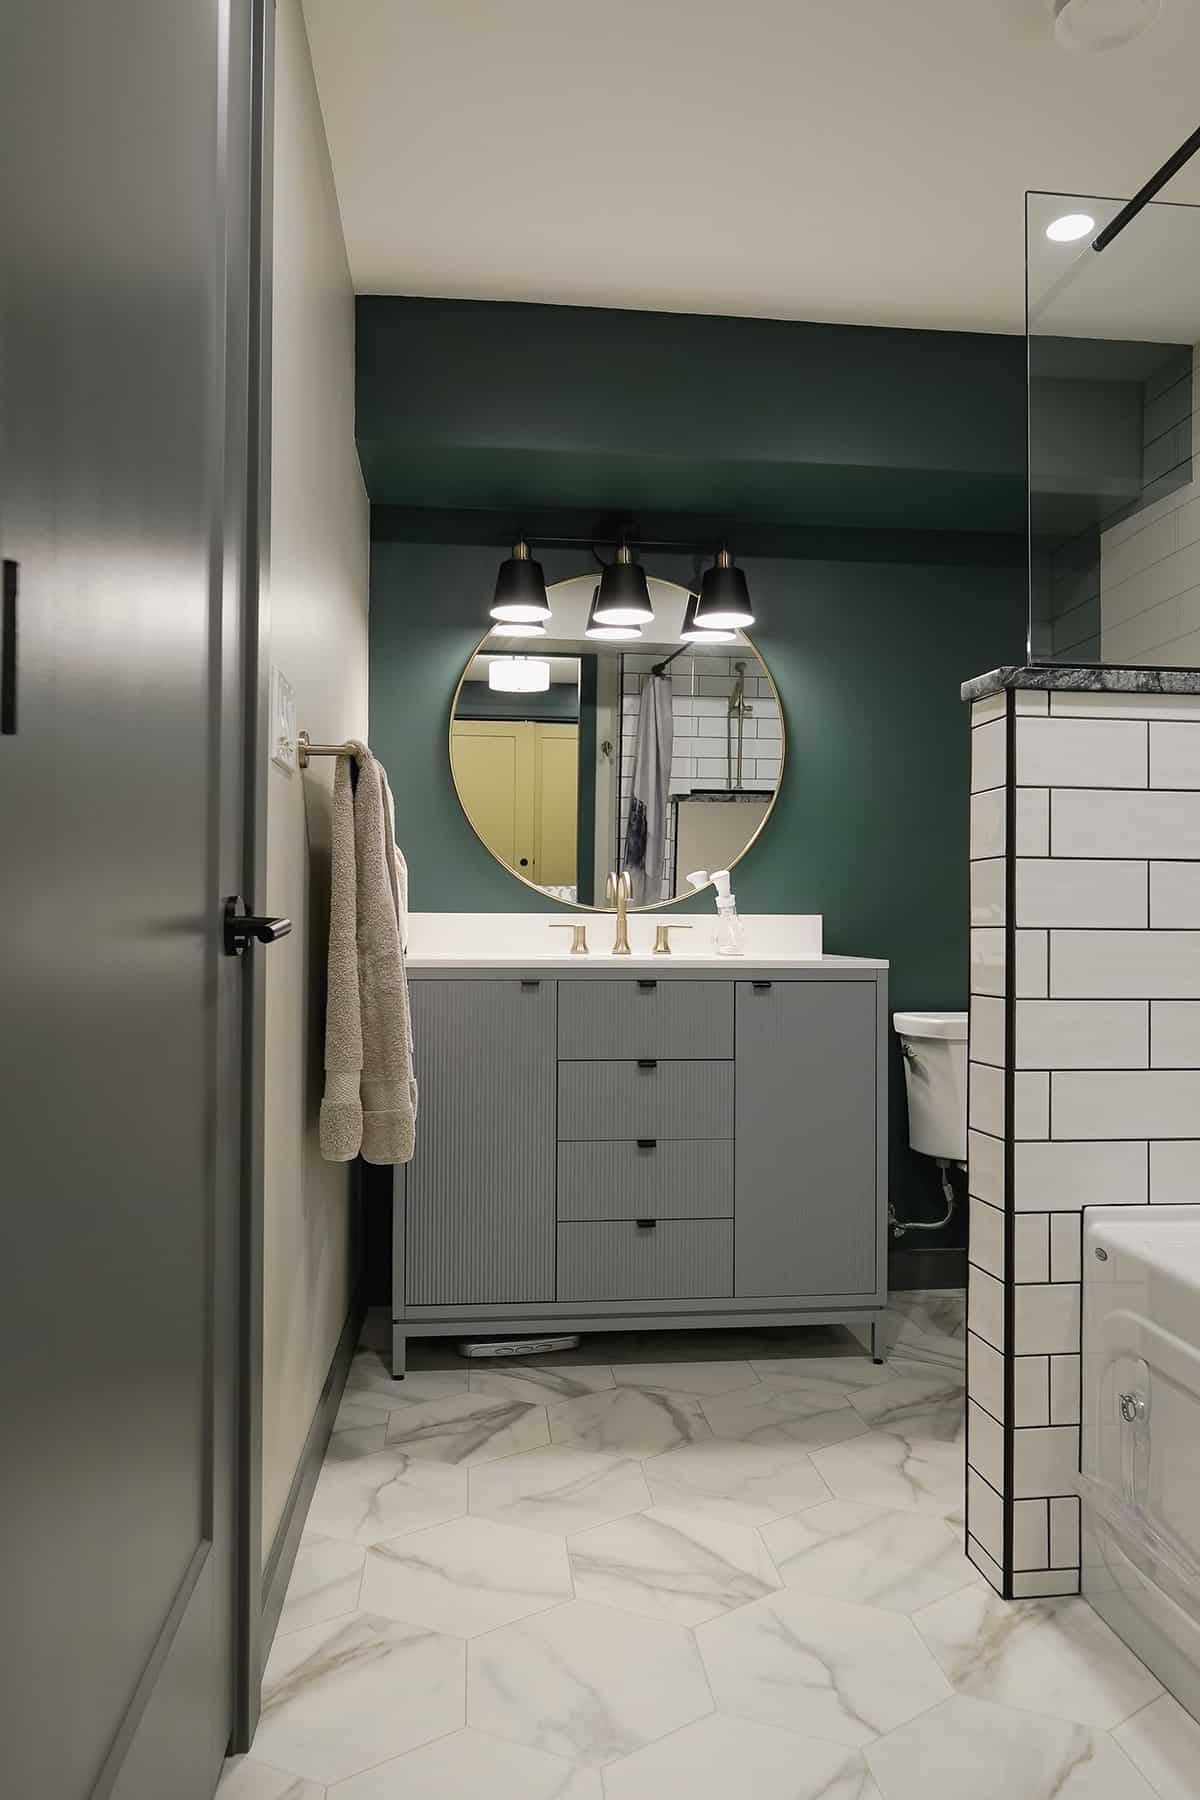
519,674
1070,228
1086,26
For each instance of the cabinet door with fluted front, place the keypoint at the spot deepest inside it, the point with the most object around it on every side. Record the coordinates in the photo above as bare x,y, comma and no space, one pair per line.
480,1213
806,1195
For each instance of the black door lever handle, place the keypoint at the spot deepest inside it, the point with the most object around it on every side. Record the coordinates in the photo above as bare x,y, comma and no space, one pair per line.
242,929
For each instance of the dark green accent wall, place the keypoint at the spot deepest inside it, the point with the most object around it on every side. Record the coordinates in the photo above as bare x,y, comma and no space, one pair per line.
870,829
733,422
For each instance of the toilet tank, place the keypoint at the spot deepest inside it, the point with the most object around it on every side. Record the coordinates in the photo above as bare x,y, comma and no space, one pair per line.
934,1046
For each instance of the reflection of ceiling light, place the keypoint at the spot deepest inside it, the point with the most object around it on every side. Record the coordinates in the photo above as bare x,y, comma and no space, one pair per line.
1086,25
724,597
520,589
515,628
622,597
1070,227
610,631
519,674
692,633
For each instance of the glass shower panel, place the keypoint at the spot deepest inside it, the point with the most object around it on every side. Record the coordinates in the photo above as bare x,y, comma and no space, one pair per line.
1114,499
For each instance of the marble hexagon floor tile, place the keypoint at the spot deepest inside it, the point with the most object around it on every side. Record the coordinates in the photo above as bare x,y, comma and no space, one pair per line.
465,1577
369,1498
897,1560
352,1441
972,1750
885,1469
719,1758
538,1386
585,1682
467,1428
559,1489
628,1421
820,1667
1163,1741
696,1378
325,1581
823,1374
340,1697
470,1765
793,1415
1049,1656
671,1565
370,1379
743,1484
246,1778
916,1406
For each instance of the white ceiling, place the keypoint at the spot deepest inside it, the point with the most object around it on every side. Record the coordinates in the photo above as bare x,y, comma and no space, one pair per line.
861,161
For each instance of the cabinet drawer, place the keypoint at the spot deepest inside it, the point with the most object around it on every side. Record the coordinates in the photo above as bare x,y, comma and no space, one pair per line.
679,1259
644,1100
665,1178
642,1016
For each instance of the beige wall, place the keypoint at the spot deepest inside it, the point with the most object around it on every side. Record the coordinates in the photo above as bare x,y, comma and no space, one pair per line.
319,539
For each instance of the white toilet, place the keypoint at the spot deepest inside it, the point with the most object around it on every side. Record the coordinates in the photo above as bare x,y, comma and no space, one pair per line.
934,1047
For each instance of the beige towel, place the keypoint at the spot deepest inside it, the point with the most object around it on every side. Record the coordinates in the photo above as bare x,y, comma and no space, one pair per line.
370,1093
341,1109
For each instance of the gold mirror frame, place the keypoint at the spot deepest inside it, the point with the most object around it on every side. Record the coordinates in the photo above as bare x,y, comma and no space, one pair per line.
583,905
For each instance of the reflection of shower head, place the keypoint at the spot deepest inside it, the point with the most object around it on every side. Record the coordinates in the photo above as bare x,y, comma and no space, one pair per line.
737,696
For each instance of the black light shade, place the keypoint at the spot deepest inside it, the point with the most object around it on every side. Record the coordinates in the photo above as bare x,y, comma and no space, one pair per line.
724,597
520,597
623,597
607,633
693,632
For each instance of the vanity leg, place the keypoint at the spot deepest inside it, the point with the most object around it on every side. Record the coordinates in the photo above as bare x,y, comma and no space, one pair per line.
878,1347
399,1351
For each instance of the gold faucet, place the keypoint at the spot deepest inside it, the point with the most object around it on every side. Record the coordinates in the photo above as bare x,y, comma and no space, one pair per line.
618,891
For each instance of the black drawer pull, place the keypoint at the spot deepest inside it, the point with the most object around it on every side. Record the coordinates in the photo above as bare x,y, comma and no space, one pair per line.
647,1062
760,987
530,983
647,1143
647,986
646,1224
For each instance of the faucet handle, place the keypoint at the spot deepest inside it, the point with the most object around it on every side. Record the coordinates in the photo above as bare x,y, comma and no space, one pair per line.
662,938
579,943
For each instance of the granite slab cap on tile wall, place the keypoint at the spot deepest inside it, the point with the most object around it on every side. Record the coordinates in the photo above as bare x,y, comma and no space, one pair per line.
1082,679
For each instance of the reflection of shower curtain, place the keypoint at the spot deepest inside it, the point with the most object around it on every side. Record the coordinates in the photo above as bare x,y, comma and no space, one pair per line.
646,834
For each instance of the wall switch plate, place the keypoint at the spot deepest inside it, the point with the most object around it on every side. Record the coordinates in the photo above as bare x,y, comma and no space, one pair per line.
283,722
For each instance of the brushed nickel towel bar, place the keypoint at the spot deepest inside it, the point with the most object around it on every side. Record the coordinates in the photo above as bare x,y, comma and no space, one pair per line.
305,748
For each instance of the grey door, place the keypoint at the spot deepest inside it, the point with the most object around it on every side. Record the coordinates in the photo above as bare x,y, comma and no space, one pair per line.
124,515
480,1189
804,1151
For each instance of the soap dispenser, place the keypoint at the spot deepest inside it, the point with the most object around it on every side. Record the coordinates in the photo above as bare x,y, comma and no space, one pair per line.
729,940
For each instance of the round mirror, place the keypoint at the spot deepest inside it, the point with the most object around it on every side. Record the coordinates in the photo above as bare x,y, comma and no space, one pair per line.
646,751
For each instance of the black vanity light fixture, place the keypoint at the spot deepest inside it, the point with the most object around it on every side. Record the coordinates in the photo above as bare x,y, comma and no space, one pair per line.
693,632
520,597
724,597
622,597
606,633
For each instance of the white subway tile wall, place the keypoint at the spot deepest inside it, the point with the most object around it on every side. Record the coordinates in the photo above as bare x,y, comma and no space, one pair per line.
1150,561
1084,1056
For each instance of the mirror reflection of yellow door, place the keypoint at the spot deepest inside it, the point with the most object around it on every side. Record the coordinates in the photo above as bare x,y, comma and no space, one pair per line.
555,804
519,782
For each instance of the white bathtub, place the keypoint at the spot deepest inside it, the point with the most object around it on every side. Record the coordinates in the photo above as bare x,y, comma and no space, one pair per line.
1140,1448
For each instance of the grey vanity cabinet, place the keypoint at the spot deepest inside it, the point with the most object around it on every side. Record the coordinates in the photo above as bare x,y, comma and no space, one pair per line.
598,1150
805,1190
479,1223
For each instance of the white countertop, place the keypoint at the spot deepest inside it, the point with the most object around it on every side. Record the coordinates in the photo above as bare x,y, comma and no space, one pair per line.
522,940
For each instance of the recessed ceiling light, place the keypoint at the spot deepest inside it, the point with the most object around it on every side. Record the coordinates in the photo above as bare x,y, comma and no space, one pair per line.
1070,227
